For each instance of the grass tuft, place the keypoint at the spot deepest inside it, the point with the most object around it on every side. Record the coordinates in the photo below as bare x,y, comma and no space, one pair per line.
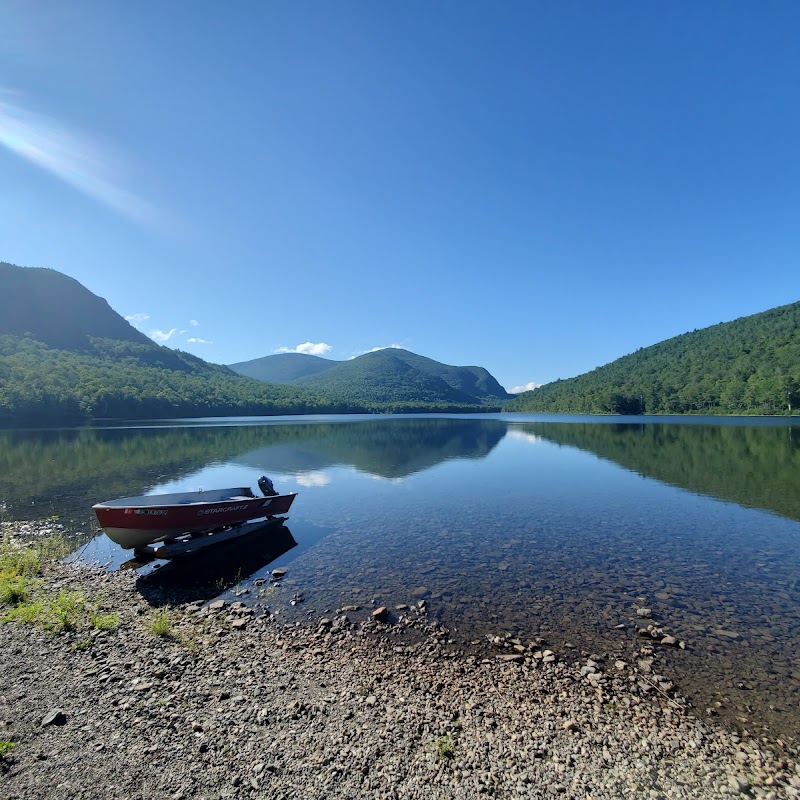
17,560
445,748
161,624
18,566
21,591
65,612
82,644
26,613
14,590
103,622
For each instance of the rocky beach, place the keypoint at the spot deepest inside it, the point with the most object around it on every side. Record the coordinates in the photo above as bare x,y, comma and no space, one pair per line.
219,700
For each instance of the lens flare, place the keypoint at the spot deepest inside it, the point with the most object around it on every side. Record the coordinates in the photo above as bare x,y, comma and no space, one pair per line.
70,157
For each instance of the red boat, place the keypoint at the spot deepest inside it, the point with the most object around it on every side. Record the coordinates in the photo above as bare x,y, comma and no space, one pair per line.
135,522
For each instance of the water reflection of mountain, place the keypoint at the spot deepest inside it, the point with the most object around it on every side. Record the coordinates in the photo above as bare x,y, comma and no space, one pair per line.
65,471
393,448
752,465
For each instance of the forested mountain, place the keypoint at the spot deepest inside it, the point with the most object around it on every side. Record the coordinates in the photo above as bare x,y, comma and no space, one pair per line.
389,379
748,366
282,367
398,377
53,308
121,380
66,355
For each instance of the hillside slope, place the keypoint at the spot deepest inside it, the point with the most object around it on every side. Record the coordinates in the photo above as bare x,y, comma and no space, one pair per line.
474,381
53,308
748,366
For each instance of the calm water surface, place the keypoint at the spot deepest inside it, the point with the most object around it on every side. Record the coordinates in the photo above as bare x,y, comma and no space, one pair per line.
539,526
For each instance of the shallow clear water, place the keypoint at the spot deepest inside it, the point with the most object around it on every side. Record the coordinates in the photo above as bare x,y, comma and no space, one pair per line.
541,526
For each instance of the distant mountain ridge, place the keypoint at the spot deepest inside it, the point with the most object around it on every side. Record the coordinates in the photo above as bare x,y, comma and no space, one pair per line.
391,375
748,366
282,367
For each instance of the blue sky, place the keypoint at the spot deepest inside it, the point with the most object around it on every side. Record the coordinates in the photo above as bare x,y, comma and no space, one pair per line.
534,187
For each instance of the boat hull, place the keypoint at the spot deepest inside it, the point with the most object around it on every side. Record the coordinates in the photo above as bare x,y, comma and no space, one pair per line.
137,525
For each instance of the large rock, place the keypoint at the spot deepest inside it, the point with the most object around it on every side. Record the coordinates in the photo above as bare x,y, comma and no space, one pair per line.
54,717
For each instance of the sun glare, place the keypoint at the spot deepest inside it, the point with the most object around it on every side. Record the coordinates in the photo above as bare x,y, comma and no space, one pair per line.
70,157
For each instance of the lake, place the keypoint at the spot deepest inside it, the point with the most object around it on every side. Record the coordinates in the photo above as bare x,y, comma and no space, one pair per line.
553,527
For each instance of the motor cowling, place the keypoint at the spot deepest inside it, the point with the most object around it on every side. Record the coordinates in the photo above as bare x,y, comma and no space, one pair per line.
267,489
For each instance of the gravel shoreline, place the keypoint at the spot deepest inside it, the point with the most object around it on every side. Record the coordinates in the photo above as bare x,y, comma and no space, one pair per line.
228,704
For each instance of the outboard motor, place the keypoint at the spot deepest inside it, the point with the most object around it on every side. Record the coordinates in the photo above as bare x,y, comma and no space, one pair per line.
267,489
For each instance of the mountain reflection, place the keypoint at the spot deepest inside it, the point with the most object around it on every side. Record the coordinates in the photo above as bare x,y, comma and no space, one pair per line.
752,465
64,472
386,448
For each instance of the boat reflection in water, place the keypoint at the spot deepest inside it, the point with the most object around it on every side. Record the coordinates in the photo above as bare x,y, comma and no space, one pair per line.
209,573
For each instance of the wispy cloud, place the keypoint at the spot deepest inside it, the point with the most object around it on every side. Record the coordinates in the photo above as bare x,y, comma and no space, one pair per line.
523,436
160,336
313,478
528,387
309,348
375,349
383,479
70,156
